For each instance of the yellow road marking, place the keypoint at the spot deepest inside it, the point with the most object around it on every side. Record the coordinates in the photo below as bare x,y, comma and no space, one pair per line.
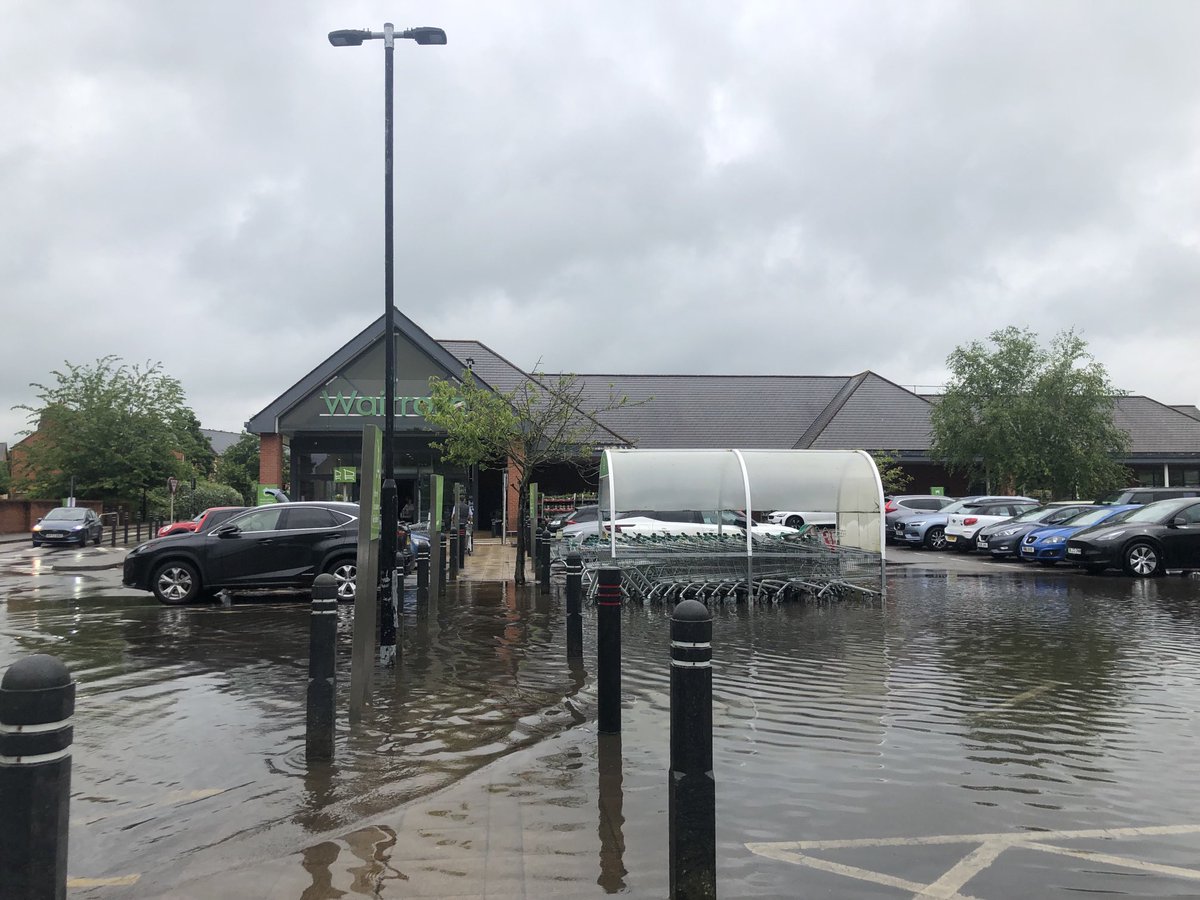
1019,698
987,849
115,881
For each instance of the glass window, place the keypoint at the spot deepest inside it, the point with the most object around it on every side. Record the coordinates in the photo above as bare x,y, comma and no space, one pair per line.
308,517
1192,514
265,518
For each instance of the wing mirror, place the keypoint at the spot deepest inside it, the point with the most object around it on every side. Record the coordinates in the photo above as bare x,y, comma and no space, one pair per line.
1179,522
226,531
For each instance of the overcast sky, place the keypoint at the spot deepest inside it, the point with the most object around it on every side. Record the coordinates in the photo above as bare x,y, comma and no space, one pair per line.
607,186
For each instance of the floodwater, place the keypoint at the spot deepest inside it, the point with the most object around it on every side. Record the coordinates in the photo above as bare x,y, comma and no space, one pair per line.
957,706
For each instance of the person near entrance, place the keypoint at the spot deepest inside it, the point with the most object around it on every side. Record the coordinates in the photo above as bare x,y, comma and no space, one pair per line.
406,511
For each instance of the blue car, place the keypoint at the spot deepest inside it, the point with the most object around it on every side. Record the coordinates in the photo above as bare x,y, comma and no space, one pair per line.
1049,545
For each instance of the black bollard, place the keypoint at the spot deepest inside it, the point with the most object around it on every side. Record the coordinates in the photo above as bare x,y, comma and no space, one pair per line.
462,546
423,568
113,540
691,799
37,700
574,606
608,651
126,538
443,563
322,677
452,551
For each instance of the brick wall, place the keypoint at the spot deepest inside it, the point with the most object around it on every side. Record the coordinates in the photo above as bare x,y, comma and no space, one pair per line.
18,516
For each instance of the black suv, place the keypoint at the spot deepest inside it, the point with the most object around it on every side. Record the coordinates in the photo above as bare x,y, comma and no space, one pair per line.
1144,495
280,546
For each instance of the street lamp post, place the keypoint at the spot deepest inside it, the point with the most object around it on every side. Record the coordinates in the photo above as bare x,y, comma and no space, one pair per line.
388,605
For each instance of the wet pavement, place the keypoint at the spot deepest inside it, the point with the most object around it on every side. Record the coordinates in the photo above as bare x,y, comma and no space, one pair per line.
986,731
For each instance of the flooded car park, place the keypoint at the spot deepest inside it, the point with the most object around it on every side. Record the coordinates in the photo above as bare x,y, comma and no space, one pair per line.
1008,732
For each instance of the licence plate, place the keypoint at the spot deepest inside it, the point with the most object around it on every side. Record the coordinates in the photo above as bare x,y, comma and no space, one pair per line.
981,544
1074,551
1027,550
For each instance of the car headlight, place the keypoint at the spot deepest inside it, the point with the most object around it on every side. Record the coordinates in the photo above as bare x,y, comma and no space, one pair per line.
37,527
1112,535
916,524
1008,532
77,527
1058,539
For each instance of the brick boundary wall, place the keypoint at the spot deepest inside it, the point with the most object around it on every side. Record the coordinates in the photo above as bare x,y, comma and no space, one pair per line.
19,516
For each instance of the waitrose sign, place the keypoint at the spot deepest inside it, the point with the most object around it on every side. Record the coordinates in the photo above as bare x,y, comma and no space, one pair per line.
353,404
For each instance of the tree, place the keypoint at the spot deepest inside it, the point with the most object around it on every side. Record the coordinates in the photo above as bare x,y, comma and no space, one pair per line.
114,428
895,480
1023,417
238,466
546,420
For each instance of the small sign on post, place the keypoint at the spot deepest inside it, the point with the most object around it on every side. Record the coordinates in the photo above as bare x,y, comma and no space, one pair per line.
172,487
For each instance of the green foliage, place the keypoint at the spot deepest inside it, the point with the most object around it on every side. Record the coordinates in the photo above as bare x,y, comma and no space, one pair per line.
895,479
546,420
237,467
5,478
1026,418
116,428
189,502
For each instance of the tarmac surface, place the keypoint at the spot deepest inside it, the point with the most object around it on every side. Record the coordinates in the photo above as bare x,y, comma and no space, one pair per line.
564,817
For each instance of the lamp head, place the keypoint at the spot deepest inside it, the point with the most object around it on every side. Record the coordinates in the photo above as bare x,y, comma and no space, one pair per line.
349,37
425,35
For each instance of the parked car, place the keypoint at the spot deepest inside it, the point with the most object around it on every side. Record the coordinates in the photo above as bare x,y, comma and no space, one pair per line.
1144,495
577,516
927,528
1003,539
964,524
800,518
1048,545
901,505
284,545
690,521
205,521
68,525
1145,542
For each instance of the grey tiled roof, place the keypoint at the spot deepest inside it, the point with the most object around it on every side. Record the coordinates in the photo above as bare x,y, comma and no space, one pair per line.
1154,427
877,415
743,411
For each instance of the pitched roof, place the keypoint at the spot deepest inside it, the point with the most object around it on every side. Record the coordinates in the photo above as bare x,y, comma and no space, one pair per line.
266,420
874,415
745,411
220,440
1154,427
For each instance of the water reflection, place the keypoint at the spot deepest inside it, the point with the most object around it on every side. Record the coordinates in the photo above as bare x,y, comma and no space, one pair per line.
989,703
612,819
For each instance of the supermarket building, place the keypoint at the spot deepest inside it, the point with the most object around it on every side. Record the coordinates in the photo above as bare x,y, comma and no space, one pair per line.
320,419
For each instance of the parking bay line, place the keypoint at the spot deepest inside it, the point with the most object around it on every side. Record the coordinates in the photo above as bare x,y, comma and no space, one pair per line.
988,849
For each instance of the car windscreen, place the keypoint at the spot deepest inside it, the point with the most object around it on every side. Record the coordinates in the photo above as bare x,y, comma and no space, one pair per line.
68,513
1035,514
1096,516
1157,512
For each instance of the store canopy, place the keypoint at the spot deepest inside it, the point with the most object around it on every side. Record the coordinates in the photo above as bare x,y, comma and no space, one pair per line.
844,483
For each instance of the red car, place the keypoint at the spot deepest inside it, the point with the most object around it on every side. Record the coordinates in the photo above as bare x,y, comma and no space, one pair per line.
206,521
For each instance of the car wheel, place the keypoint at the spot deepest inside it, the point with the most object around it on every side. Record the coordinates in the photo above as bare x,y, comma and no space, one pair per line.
175,583
37,543
794,521
935,538
344,572
1142,560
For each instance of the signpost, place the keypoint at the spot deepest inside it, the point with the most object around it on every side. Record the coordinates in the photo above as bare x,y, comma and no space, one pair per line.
366,616
172,487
